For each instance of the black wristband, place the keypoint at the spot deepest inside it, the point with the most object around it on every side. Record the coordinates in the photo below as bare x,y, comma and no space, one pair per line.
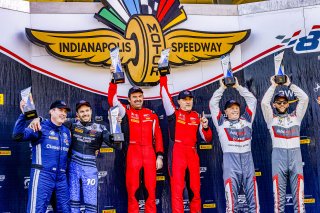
160,154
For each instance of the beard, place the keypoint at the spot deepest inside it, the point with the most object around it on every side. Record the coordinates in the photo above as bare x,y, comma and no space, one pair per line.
282,113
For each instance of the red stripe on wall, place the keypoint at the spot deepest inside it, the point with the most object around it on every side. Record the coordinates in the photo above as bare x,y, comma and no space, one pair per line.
46,72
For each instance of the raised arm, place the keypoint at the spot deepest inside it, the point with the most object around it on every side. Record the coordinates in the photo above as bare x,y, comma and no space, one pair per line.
22,133
303,101
113,99
214,105
204,129
265,103
251,102
168,105
20,130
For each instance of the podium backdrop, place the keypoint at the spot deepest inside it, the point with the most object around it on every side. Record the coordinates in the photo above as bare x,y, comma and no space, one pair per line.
21,63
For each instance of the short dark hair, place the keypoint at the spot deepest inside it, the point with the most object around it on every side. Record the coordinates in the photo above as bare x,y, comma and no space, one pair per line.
185,93
60,104
82,103
280,95
134,90
230,103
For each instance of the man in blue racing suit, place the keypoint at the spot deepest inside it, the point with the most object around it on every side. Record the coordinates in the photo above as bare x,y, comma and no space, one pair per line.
50,147
87,138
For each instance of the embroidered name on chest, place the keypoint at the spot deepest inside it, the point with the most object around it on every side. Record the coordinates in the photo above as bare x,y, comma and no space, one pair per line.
53,138
78,130
135,118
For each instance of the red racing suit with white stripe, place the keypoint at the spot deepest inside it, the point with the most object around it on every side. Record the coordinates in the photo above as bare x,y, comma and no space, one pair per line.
286,154
184,127
143,135
235,139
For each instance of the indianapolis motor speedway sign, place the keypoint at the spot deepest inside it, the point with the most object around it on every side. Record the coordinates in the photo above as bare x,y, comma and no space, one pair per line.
141,31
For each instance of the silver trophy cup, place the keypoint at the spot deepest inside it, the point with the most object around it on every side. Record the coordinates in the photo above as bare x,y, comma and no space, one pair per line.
280,77
163,63
118,75
29,110
115,126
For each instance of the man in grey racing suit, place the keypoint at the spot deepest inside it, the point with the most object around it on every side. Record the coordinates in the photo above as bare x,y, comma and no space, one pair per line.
235,138
286,154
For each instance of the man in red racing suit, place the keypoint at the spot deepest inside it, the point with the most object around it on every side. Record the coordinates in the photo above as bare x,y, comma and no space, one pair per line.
141,130
184,125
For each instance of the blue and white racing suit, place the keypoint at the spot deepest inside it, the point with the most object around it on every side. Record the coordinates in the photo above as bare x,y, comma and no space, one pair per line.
49,161
286,154
235,139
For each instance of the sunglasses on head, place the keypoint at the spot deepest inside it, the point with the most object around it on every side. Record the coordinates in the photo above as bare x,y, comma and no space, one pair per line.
281,102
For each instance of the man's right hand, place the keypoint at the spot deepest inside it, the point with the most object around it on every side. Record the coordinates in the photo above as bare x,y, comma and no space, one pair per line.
273,83
222,84
204,121
35,125
112,69
22,104
159,162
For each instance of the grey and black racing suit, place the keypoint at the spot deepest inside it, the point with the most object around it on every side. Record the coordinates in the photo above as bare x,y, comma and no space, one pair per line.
235,140
87,138
286,154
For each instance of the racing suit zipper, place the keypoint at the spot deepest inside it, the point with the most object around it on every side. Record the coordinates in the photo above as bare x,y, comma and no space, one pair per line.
84,129
141,131
58,166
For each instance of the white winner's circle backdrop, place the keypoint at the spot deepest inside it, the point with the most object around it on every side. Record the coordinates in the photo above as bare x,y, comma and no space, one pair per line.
62,51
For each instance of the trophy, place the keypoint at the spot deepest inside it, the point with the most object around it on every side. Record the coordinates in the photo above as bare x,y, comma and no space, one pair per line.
118,75
115,127
29,109
280,77
163,63
228,79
